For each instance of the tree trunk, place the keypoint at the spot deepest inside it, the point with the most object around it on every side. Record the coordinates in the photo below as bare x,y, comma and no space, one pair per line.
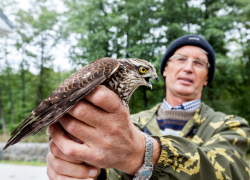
206,14
23,87
210,94
9,84
247,72
187,15
10,94
40,85
106,48
128,43
2,115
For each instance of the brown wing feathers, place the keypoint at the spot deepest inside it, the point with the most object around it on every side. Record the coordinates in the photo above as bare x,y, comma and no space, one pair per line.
64,97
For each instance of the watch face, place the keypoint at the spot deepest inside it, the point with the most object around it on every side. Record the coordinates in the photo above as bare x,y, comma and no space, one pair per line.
145,175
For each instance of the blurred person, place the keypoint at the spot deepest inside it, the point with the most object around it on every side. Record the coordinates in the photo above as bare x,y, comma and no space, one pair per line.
186,138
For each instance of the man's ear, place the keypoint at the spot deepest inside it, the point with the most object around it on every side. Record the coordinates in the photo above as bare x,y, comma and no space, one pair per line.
165,72
205,82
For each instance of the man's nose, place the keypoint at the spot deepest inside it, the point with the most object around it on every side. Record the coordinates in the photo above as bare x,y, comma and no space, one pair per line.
189,66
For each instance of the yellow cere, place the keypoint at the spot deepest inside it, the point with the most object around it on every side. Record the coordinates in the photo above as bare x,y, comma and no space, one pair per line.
143,69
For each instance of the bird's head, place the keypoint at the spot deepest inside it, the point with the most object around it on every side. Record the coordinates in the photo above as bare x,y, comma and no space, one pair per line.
141,70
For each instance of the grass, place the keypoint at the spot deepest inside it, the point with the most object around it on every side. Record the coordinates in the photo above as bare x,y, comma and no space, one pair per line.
40,137
33,163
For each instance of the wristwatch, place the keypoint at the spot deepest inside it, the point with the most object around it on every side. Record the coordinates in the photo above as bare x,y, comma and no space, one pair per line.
145,172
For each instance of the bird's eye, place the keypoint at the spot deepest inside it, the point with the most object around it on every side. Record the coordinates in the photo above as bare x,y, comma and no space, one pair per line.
142,70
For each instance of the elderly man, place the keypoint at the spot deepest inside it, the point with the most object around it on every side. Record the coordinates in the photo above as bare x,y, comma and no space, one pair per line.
191,140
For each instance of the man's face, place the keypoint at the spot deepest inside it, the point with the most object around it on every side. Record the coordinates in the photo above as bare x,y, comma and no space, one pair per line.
186,80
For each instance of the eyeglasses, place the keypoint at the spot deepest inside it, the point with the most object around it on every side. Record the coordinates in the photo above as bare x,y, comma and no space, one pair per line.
182,60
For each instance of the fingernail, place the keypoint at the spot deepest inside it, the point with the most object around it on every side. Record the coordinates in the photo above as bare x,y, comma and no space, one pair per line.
92,173
51,129
47,131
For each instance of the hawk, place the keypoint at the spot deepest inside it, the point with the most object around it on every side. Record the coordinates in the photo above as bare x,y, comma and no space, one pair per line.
122,76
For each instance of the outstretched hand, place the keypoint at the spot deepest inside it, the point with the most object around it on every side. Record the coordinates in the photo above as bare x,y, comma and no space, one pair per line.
104,125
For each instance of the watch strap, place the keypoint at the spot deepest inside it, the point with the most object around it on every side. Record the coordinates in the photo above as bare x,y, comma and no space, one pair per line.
145,172
148,159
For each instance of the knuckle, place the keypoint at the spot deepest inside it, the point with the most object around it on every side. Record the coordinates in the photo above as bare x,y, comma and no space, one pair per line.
78,110
52,175
107,142
56,165
97,158
99,96
72,126
49,157
55,150
70,152
114,131
109,98
116,105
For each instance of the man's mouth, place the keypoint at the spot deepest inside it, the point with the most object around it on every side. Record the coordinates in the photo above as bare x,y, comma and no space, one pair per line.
186,79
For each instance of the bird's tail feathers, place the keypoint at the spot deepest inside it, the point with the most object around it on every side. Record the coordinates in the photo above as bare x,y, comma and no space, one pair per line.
35,123
23,124
30,126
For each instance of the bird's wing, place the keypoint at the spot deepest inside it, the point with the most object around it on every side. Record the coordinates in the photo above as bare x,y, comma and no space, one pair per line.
64,97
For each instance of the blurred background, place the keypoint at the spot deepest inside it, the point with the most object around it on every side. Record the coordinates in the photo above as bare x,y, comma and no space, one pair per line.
48,40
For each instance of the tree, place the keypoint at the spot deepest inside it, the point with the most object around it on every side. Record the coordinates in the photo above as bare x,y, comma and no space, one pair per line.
8,71
23,28
44,38
2,114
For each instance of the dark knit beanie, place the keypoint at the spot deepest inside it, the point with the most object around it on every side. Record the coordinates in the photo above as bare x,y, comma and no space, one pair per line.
193,40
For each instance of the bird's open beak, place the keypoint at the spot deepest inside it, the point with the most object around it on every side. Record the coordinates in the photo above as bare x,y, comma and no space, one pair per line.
154,77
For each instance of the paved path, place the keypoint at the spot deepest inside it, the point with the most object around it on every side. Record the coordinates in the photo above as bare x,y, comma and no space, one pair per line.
22,172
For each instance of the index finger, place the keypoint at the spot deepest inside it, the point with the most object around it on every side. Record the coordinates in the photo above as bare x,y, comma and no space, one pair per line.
104,98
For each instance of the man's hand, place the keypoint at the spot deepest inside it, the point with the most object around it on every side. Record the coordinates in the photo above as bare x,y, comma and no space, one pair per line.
104,125
60,166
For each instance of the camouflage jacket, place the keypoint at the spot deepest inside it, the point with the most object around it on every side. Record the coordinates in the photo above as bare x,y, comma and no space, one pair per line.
211,145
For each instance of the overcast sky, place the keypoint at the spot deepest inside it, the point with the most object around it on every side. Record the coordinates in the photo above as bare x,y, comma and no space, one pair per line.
60,52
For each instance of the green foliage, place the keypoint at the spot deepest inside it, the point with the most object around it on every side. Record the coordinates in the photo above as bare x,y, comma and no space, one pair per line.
33,163
52,79
129,29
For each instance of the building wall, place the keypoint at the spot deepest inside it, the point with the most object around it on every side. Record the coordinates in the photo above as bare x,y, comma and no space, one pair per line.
5,25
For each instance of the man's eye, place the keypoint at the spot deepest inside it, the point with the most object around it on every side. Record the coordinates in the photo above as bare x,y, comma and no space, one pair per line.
199,63
182,59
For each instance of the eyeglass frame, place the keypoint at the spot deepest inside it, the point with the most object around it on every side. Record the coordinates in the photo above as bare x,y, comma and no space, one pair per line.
193,60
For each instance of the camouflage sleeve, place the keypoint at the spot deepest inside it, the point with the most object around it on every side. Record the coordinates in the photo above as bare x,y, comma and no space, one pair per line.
220,157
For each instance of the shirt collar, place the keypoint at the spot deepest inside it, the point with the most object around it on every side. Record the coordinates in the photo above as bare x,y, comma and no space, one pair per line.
186,106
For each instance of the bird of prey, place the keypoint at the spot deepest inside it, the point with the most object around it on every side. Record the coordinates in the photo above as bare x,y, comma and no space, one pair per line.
122,76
